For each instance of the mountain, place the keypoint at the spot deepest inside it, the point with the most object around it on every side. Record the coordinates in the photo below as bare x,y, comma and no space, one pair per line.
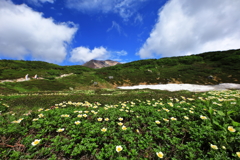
100,64
205,68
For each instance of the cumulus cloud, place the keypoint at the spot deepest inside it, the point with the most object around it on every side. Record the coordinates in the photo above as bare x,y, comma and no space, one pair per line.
83,54
191,26
25,32
125,8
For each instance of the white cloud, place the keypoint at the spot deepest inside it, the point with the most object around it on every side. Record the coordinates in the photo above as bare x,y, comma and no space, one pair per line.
138,18
192,26
125,8
121,53
50,1
25,32
39,2
116,26
83,54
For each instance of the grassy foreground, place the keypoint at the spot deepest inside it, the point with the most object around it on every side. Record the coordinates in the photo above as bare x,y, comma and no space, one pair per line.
156,125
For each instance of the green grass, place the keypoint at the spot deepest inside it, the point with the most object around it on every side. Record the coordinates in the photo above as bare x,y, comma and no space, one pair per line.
194,69
155,121
44,99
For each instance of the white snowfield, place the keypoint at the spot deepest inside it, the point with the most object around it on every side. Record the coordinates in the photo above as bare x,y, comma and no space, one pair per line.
189,87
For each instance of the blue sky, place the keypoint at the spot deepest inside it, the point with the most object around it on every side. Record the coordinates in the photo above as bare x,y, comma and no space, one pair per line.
70,32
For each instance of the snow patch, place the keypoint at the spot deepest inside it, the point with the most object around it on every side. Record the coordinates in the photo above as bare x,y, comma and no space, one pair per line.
189,87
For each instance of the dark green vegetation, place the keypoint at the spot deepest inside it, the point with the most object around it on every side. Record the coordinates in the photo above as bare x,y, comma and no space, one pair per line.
205,126
13,69
205,68
180,125
224,67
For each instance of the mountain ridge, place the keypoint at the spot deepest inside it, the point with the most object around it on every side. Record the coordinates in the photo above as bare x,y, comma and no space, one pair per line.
96,64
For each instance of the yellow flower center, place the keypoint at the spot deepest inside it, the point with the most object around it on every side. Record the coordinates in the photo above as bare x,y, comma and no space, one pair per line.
160,154
238,154
231,129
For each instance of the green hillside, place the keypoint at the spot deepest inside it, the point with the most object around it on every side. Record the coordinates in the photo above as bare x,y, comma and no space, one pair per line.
13,69
223,67
206,68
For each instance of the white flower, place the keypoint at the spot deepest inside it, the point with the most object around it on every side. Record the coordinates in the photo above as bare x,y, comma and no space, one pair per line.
231,129
77,122
120,123
120,119
60,130
124,128
65,115
158,122
203,117
165,119
119,148
186,117
40,109
40,115
35,142
238,154
160,154
214,146
104,129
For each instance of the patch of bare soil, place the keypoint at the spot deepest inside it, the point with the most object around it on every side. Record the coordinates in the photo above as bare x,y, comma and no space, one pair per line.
235,80
217,79
23,79
174,81
64,75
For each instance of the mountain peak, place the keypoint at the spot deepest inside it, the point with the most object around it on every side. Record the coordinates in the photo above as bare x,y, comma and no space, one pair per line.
100,63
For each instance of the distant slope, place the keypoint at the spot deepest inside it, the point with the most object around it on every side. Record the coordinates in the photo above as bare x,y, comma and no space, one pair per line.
206,68
13,69
100,63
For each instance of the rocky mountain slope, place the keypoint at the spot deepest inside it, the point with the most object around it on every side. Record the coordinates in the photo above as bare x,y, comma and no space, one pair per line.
100,63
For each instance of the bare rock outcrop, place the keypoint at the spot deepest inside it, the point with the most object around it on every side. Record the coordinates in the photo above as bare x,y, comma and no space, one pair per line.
100,63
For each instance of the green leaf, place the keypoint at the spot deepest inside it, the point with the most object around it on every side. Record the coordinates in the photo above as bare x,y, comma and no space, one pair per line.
216,123
221,113
210,111
237,124
230,112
